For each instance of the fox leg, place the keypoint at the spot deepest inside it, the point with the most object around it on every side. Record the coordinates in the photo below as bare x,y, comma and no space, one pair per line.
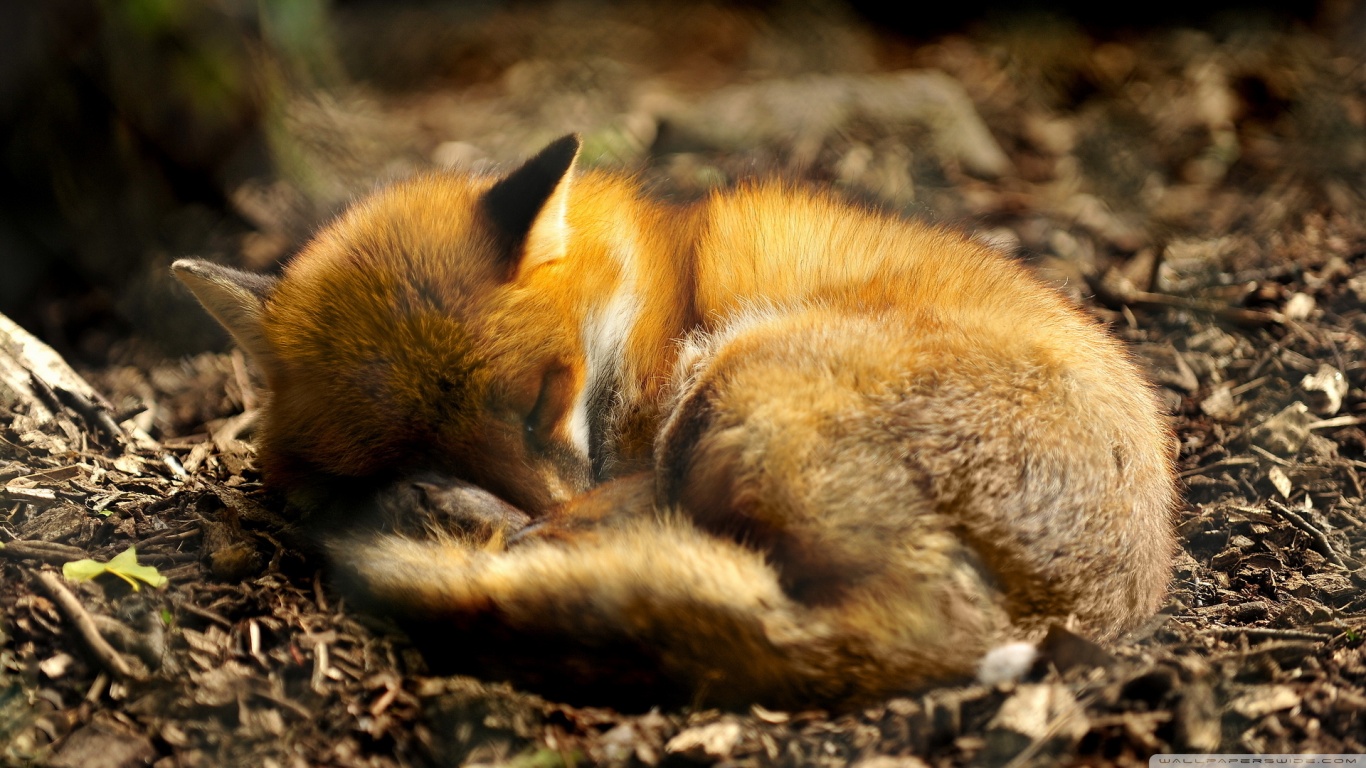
430,504
434,503
612,503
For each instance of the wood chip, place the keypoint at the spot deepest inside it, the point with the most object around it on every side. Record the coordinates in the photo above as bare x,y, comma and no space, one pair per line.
1264,701
714,741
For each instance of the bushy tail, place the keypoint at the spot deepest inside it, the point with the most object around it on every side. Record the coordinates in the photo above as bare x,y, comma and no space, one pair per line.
652,608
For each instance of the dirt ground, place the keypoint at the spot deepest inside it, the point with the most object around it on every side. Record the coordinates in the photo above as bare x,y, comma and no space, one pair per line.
1201,188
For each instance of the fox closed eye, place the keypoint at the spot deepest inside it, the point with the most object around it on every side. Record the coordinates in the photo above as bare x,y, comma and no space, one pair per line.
552,405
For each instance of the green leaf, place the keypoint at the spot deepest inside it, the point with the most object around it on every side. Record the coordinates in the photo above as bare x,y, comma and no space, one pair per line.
83,570
124,565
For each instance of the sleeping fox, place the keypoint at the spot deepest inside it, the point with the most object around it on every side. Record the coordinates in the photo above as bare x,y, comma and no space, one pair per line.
769,446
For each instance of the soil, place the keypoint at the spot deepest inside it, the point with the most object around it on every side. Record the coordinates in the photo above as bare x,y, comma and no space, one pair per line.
1200,187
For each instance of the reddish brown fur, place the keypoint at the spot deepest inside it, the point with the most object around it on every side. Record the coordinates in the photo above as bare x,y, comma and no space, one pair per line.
871,448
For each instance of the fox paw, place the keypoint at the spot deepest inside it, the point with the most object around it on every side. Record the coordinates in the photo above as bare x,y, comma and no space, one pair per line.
429,504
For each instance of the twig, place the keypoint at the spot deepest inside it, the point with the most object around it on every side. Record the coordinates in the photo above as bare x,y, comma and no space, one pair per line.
321,667
1271,633
231,428
28,495
1320,538
170,536
1115,292
96,689
1338,421
46,551
385,699
1244,388
44,392
15,451
85,625
129,640
1234,461
127,413
1269,456
1293,645
94,415
318,596
203,613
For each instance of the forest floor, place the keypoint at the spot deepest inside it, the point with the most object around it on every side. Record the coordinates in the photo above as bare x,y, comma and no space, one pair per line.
1199,191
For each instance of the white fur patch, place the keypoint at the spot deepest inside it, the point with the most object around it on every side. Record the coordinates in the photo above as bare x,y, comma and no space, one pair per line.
1006,663
578,423
604,343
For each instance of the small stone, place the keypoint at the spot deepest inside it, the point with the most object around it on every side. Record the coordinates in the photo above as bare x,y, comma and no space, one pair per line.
57,666
1325,387
1285,433
1264,701
1299,306
1220,405
714,740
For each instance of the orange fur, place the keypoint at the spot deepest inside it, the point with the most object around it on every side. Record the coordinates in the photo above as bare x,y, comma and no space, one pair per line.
865,449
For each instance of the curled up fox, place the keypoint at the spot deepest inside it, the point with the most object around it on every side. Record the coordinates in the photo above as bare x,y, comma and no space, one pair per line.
765,447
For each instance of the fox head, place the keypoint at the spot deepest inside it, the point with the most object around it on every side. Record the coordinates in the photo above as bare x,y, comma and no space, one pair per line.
431,326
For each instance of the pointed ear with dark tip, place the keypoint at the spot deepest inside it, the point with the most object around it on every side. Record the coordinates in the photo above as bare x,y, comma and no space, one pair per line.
235,299
527,208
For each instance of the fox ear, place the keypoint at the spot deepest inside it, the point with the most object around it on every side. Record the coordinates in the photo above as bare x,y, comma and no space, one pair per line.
527,208
235,299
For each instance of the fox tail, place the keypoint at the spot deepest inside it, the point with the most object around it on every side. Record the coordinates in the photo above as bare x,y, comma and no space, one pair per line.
653,610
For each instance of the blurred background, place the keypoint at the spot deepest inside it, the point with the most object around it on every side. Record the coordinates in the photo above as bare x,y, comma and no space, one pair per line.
135,132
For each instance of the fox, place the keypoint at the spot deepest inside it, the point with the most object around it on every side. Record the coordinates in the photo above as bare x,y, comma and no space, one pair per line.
768,446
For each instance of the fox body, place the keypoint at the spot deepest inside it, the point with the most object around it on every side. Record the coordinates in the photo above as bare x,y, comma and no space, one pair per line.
773,447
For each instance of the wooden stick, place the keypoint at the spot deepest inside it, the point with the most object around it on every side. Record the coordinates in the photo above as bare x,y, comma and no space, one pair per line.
46,551
30,369
36,380
85,625
95,415
42,496
1325,547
